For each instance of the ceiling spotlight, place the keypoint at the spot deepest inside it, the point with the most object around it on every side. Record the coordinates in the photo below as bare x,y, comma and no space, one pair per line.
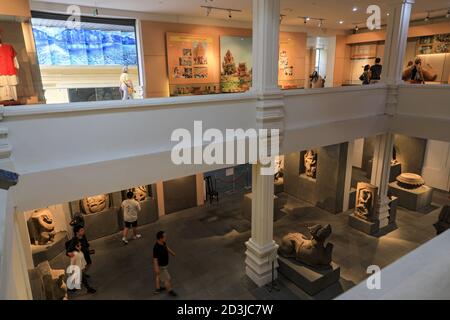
308,18
355,9
341,22
388,14
427,18
448,14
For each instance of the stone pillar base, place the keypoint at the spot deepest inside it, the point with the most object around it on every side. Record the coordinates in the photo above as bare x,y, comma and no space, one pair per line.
382,209
259,262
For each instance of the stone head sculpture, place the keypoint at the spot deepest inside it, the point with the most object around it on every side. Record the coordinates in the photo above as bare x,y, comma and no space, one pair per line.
44,226
95,204
140,193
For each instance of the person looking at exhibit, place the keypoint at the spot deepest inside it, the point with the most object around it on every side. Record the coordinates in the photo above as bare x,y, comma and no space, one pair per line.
365,76
130,209
375,71
160,264
126,85
77,258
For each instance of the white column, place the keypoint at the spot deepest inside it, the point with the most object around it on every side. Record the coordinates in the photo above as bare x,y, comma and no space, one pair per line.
348,176
380,175
14,280
261,248
396,40
266,29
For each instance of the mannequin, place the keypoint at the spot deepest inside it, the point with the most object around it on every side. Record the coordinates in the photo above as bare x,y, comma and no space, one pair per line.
8,72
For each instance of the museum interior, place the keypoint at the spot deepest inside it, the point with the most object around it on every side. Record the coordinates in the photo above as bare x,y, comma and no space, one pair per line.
92,92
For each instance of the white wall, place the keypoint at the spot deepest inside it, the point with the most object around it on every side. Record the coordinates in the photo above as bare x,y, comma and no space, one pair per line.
436,169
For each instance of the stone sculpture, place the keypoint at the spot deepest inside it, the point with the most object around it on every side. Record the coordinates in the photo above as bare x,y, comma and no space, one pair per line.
443,223
95,204
410,181
365,200
140,193
310,161
42,223
311,251
47,283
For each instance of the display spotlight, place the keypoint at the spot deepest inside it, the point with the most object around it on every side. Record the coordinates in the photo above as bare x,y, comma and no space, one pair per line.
427,18
448,14
354,9
229,14
208,11
320,23
308,18
341,22
305,21
95,12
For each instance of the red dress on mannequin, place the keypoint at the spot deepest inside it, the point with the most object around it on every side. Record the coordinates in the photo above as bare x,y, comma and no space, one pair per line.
7,65
8,72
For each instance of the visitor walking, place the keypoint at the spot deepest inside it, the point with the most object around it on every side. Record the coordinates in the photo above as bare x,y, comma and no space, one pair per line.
375,71
77,258
80,236
160,264
365,76
130,209
126,85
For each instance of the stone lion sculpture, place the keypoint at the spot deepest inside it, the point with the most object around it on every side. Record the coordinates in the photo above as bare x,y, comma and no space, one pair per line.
44,226
95,204
311,251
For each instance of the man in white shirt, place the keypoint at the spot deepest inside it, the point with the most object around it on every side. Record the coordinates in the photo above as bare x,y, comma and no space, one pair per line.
130,209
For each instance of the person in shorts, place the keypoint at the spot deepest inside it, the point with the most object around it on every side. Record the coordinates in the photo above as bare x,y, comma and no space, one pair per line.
160,264
130,209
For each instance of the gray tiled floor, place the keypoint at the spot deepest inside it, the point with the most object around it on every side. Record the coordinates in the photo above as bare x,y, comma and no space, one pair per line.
210,245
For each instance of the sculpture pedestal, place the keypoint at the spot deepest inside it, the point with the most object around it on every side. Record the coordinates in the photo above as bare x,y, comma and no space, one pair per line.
309,279
49,251
279,186
102,224
415,200
396,170
368,227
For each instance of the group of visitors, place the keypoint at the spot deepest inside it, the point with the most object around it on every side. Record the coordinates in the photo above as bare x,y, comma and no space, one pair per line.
372,74
79,252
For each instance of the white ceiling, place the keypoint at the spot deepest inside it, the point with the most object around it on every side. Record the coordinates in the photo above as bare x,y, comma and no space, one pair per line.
331,10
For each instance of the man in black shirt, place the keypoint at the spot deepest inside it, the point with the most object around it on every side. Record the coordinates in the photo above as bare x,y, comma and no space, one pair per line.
375,71
160,263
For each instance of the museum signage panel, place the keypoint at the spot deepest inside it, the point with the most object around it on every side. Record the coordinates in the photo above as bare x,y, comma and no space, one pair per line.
190,58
